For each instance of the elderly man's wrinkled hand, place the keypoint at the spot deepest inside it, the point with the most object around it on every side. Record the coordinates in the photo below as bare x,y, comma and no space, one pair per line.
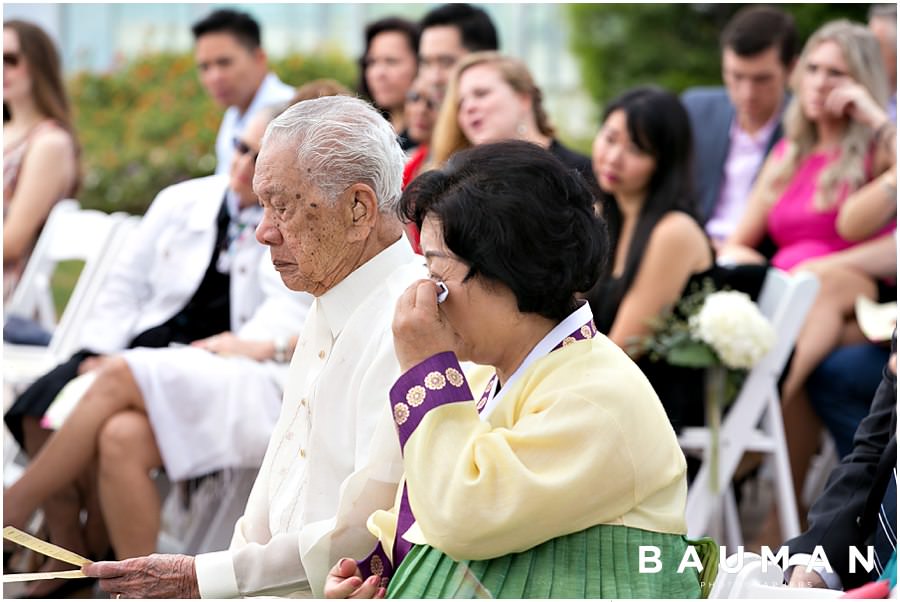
345,581
154,576
420,328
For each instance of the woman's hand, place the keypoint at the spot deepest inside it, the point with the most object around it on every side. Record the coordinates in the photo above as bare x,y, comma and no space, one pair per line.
735,254
853,100
420,328
226,343
95,362
345,581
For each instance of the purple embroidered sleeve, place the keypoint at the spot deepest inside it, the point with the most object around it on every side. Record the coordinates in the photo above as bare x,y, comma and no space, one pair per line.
434,382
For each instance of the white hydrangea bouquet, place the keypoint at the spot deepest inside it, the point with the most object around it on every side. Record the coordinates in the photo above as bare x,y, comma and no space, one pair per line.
730,323
722,331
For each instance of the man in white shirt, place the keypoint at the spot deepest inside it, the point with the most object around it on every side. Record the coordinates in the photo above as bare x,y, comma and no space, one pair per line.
735,127
234,70
328,177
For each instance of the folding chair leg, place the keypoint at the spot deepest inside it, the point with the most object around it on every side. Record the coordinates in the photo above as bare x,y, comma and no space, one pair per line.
784,483
734,537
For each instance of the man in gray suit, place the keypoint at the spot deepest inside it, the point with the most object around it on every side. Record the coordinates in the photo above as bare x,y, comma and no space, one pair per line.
736,126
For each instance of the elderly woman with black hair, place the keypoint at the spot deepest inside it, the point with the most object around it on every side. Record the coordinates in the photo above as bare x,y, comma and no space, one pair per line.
545,477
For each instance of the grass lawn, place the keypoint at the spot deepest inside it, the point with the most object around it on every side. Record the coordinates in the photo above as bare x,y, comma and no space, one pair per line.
63,281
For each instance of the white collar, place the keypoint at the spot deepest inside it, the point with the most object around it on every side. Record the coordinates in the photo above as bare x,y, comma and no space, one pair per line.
570,324
338,303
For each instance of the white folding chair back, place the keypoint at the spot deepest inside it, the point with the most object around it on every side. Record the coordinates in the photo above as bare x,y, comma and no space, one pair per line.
87,235
758,578
90,283
32,297
753,422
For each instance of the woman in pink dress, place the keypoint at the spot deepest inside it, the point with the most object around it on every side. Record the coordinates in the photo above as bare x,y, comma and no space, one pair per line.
40,152
837,138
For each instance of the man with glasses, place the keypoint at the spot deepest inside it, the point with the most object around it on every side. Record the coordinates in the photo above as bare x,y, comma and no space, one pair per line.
449,32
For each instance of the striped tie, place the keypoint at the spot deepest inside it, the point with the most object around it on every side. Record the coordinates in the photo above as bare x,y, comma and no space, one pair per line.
886,529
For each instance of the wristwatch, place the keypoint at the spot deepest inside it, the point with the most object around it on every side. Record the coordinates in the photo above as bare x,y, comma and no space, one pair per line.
281,349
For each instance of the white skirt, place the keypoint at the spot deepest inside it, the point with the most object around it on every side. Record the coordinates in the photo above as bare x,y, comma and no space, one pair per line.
208,412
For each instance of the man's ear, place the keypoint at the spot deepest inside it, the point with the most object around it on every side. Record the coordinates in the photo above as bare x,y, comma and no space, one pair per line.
260,56
363,208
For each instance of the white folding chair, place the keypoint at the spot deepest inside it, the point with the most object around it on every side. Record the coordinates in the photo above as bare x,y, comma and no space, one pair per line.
747,575
87,235
206,522
32,298
753,423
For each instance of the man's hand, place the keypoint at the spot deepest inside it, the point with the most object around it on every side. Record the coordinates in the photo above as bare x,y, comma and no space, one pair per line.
154,576
345,581
420,328
801,577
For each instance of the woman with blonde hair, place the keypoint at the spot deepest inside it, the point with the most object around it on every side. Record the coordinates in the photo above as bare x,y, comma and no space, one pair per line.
492,97
40,150
837,138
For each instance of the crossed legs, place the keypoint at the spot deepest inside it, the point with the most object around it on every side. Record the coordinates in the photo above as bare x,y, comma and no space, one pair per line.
111,409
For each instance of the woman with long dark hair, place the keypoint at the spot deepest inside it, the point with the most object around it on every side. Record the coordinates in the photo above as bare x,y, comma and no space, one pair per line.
40,150
642,160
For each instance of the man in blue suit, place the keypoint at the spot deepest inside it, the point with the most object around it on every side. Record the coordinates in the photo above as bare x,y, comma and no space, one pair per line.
735,127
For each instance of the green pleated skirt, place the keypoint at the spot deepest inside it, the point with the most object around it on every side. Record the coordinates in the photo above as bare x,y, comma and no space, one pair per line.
599,562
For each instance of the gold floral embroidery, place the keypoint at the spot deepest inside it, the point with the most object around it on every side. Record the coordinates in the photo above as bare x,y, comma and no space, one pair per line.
376,566
568,341
455,378
415,396
401,413
435,381
586,331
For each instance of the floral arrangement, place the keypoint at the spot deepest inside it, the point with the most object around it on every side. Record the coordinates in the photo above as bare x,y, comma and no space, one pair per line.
710,328
732,325
720,330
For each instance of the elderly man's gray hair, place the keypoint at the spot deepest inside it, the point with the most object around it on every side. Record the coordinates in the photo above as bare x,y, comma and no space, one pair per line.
341,141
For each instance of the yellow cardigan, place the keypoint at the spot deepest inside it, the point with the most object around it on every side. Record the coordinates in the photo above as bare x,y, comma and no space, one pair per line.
580,439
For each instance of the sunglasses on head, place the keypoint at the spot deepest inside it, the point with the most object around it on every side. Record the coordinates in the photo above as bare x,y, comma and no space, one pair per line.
243,148
430,103
10,59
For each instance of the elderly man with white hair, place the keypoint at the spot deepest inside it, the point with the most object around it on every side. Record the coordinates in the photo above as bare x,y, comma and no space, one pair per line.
328,177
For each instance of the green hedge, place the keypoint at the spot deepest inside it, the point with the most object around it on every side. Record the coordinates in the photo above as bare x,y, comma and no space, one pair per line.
151,124
675,46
